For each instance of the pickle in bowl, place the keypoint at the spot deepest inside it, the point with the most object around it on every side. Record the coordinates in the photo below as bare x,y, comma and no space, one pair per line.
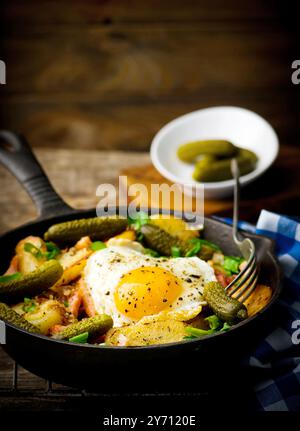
190,151
211,169
212,159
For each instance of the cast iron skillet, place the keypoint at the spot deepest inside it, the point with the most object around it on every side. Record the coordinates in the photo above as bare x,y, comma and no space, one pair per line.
119,368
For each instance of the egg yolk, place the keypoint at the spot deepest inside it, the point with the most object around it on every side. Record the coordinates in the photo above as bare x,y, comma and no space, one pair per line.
146,291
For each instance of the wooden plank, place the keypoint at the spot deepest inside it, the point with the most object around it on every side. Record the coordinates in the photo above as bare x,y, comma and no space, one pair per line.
91,11
147,63
132,125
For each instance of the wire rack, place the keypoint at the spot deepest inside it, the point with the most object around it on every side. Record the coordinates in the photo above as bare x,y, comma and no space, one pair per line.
41,395
15,386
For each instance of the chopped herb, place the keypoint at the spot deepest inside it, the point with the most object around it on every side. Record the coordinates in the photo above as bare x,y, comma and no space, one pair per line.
209,243
29,305
225,327
97,245
52,250
35,251
81,338
139,236
151,252
5,278
140,218
213,321
66,304
215,325
220,269
175,251
51,253
197,243
197,332
232,263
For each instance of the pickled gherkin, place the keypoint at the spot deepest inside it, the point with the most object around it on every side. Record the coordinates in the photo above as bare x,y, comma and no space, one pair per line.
214,147
247,154
95,326
225,307
97,228
32,283
161,241
210,169
9,315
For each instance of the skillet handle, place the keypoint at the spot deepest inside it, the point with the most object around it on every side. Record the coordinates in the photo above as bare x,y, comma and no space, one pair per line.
16,155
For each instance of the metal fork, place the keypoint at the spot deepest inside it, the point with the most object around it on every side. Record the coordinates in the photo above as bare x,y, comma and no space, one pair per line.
245,282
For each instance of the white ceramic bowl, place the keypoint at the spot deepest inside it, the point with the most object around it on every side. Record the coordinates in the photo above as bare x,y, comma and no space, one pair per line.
240,126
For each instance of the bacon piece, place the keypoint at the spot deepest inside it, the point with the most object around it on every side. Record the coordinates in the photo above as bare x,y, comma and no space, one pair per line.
88,303
222,279
13,266
75,301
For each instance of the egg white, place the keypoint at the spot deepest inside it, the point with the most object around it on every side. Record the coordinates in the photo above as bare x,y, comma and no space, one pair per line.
105,268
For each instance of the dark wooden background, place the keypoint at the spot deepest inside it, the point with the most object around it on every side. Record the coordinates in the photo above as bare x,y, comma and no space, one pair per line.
108,74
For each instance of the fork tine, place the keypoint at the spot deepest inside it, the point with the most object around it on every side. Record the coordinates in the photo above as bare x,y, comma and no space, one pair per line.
251,289
245,282
249,283
248,267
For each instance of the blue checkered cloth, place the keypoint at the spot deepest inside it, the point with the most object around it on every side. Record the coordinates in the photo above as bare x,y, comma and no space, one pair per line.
276,360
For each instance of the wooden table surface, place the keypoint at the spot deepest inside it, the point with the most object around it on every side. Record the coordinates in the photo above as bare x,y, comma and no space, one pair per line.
89,83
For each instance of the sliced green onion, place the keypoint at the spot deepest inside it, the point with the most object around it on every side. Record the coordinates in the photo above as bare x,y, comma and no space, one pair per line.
151,252
52,250
197,244
215,324
232,264
213,321
139,236
51,253
209,243
198,332
10,277
81,338
138,220
29,305
175,251
97,245
225,327
193,251
35,251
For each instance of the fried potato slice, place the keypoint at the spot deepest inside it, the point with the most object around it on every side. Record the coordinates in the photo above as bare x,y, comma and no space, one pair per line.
45,315
28,262
72,256
258,299
174,226
127,234
70,274
148,333
73,262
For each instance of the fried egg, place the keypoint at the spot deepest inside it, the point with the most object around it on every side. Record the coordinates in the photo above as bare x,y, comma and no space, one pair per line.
131,286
